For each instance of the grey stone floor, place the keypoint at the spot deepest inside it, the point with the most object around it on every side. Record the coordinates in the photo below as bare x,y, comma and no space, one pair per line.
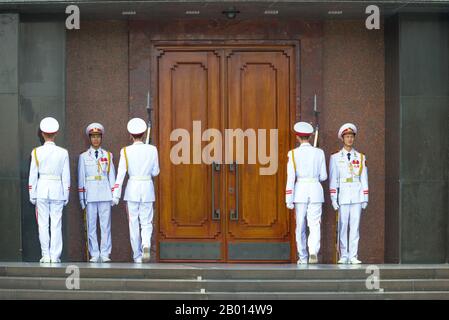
223,266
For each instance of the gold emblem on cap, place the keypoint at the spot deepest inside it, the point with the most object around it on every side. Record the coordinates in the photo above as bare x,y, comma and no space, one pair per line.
95,130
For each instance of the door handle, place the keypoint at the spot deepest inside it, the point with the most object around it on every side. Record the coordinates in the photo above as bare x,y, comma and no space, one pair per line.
234,213
215,212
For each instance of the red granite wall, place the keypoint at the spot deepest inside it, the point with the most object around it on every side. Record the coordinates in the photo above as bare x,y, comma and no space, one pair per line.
353,86
97,91
109,75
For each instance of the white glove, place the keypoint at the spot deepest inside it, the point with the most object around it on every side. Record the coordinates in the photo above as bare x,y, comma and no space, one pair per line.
33,201
83,205
335,205
290,205
364,205
66,202
115,201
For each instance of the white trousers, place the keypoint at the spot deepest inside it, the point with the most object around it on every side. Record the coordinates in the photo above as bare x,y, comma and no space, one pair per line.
310,213
102,210
49,214
349,216
140,220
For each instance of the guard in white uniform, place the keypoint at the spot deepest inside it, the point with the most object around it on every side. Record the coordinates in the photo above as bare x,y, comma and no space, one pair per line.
141,162
49,186
306,168
349,192
96,179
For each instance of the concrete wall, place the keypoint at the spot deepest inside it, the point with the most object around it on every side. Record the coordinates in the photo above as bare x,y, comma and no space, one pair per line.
42,94
418,70
32,86
10,236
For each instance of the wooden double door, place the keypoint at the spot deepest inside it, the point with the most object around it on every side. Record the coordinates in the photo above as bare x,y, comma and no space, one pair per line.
212,208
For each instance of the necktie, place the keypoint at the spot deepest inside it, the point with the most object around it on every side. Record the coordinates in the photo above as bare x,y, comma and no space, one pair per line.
349,156
96,154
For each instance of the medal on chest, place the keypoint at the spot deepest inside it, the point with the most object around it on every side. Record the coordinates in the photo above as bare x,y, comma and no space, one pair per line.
102,164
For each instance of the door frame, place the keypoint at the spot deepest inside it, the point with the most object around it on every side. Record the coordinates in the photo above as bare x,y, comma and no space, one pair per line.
295,107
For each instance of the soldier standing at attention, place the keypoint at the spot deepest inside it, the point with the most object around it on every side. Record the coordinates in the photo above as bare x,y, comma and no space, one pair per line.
349,192
49,186
96,179
306,168
141,162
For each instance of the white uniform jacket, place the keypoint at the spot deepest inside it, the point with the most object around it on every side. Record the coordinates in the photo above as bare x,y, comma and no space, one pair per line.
96,177
141,162
306,168
348,178
49,173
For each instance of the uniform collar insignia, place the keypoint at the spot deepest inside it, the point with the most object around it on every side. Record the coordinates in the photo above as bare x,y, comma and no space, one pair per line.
352,152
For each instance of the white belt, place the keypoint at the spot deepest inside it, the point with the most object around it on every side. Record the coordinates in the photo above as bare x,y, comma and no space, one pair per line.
95,178
307,180
140,178
49,177
350,180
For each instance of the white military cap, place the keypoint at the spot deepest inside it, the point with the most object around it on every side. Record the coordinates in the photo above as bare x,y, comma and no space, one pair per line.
94,128
49,125
303,129
136,126
347,128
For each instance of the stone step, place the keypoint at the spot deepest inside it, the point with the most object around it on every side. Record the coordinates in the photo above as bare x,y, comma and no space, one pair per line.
178,285
171,271
126,295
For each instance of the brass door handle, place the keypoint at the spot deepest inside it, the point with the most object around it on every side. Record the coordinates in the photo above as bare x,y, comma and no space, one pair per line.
215,212
234,213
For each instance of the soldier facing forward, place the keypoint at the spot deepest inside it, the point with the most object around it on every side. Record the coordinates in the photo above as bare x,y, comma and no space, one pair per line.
96,179
349,192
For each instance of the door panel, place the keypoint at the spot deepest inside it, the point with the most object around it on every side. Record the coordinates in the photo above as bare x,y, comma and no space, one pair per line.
189,90
259,98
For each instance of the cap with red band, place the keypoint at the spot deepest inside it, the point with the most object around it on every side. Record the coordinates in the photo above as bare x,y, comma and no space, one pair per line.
347,128
95,128
303,129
